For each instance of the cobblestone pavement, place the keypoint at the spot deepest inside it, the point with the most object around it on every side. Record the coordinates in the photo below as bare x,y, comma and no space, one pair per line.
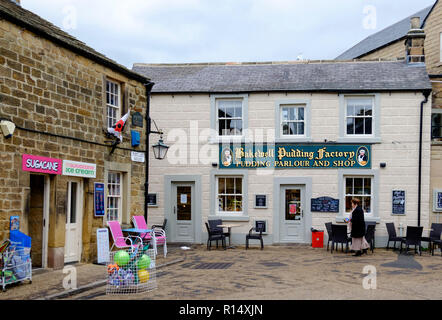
277,272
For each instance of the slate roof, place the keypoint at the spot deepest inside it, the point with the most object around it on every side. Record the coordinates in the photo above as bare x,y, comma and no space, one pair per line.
322,76
34,23
384,37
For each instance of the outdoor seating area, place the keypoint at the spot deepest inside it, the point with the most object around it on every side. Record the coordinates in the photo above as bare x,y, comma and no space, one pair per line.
216,232
338,234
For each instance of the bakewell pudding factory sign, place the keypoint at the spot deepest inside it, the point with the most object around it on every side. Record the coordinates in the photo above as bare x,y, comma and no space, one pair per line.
295,156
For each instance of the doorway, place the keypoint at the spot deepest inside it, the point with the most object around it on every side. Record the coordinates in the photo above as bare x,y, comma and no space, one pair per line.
74,220
39,219
292,208
183,212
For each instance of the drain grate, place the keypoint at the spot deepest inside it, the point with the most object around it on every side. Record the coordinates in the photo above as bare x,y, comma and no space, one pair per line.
220,265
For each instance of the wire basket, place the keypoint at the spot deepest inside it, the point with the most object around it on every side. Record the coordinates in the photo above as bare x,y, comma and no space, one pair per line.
131,271
16,265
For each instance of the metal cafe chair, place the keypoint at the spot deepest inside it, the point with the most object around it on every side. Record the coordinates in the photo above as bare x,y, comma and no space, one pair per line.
435,233
392,235
339,235
413,238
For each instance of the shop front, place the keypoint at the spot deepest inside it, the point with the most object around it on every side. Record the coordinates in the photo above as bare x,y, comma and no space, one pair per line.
49,179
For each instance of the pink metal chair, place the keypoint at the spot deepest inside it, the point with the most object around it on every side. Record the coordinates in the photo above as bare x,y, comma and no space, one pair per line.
117,235
157,235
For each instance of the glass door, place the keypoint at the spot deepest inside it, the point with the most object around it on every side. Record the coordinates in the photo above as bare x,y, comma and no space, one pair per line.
183,212
292,221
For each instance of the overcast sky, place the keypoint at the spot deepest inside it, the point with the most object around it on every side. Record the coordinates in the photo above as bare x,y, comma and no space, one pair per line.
177,31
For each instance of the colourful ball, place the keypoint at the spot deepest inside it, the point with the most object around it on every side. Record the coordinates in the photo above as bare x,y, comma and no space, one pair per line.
143,276
121,258
143,262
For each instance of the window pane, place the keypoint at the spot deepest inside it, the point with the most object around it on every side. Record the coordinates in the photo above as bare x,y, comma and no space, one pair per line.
359,125
221,185
350,125
230,112
368,126
301,128
348,204
367,186
230,185
238,112
221,112
359,110
292,114
230,203
368,111
350,110
358,185
285,114
366,204
301,113
222,128
236,127
238,203
221,203
348,186
285,128
73,202
238,185
292,128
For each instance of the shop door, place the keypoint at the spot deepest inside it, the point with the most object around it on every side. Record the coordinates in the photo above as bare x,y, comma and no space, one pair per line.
183,212
39,219
74,218
292,214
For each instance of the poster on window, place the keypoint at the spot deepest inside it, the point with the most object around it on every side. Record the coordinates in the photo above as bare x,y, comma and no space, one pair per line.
292,208
99,199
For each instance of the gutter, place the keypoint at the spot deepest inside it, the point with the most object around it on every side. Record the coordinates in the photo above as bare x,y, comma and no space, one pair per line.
148,86
426,94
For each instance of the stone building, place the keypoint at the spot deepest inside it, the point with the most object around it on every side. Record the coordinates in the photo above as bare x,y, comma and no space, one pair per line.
289,143
62,95
390,43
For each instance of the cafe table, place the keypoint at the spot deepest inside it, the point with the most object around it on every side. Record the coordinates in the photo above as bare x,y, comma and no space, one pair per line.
229,227
136,231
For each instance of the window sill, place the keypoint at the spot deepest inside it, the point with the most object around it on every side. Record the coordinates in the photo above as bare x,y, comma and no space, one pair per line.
230,218
436,143
293,139
359,140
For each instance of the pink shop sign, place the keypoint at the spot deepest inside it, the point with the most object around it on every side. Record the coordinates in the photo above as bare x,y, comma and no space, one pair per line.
41,164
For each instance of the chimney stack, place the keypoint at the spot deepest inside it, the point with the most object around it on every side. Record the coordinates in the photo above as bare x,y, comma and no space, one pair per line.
414,43
17,2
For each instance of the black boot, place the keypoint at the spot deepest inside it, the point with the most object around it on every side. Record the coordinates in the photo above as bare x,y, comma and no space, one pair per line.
357,254
364,251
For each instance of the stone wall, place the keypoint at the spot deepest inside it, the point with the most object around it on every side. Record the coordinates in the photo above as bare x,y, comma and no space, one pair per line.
49,89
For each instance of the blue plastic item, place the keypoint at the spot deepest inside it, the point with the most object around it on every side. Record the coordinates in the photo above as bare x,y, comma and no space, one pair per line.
135,138
20,238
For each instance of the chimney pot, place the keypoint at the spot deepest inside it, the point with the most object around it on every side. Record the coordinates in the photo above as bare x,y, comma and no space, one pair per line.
415,23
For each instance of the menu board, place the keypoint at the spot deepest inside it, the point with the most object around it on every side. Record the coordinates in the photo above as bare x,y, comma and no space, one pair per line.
325,204
398,202
261,201
102,245
99,199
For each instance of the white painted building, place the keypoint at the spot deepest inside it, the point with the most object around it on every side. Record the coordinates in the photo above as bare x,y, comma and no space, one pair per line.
301,108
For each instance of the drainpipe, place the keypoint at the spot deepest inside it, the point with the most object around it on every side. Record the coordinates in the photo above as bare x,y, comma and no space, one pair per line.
148,87
426,94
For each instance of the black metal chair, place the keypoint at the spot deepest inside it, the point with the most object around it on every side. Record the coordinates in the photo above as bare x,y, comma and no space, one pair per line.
339,235
435,234
392,235
328,226
213,224
369,235
163,226
214,236
257,236
413,238
439,243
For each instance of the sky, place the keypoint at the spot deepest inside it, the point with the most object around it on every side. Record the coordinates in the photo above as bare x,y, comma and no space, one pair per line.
189,31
